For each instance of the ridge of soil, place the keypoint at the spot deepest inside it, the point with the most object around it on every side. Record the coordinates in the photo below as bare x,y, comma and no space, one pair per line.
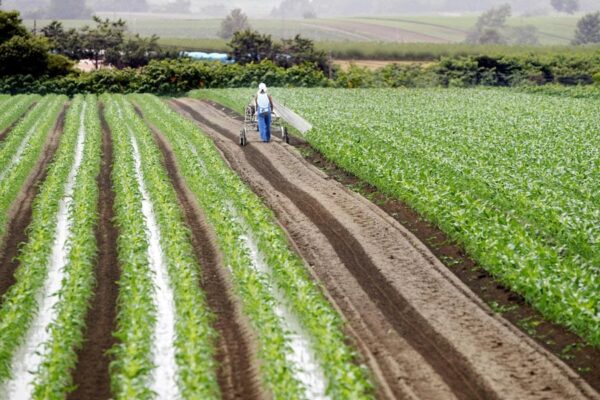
21,212
91,374
441,340
569,347
5,132
425,340
238,372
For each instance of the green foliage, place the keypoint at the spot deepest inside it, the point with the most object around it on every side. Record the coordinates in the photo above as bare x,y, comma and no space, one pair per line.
60,354
68,9
195,338
24,55
489,26
588,29
27,139
19,303
251,47
235,22
13,108
520,193
235,211
11,25
567,6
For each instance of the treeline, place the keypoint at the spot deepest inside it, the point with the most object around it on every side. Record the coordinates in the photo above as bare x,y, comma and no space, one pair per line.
173,77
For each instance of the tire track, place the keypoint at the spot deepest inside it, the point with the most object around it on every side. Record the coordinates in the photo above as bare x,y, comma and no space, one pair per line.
475,354
91,375
403,317
20,214
238,372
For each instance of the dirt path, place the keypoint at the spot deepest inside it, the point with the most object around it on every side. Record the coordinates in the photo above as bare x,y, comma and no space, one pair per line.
420,329
91,375
238,372
20,213
5,132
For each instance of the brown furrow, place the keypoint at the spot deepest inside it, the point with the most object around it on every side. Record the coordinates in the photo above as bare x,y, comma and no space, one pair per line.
6,131
238,372
21,212
91,375
451,366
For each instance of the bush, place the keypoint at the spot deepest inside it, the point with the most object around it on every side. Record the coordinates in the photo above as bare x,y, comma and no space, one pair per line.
24,55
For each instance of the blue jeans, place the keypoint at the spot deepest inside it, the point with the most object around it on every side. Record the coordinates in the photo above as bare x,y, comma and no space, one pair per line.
264,126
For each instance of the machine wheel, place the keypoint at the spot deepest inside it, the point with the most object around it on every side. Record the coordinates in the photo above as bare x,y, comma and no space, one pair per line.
284,135
243,139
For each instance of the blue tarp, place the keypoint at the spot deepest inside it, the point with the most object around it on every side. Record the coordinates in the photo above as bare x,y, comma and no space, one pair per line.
200,55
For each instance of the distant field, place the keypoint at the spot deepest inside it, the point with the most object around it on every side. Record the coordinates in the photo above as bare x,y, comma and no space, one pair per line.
555,30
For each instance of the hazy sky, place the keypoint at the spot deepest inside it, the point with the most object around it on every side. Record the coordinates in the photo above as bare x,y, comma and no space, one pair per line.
343,7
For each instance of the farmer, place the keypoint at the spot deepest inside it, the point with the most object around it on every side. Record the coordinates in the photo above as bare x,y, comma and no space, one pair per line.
264,107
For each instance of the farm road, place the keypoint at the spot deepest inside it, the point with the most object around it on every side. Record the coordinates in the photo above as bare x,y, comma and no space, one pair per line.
421,331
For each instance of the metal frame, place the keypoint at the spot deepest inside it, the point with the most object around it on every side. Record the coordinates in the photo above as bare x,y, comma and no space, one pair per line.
251,124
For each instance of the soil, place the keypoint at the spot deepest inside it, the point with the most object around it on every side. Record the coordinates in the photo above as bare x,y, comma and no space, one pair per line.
20,213
91,374
4,133
238,372
421,330
566,345
384,33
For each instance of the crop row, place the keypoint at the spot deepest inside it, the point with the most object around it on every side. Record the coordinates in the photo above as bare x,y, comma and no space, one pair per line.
138,311
267,275
22,149
43,313
513,177
14,108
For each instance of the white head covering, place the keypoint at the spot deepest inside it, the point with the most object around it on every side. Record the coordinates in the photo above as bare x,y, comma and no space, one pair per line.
262,87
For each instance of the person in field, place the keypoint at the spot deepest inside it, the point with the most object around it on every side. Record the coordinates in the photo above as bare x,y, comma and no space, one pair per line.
264,108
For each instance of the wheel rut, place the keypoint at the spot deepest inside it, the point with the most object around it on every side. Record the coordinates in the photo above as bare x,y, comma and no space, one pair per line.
20,214
238,372
405,320
376,272
91,375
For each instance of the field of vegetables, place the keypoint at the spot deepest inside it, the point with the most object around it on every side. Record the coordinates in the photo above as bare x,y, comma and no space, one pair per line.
166,341
513,177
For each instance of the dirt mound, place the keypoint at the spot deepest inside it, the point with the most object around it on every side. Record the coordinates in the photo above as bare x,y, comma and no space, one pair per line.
423,332
20,214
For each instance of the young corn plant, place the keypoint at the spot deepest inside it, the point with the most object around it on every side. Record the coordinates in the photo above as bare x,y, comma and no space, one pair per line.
22,149
194,336
20,305
236,212
13,108
512,176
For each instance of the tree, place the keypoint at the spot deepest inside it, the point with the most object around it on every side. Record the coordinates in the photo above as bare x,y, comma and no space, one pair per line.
24,55
106,35
567,6
119,5
178,6
235,22
293,9
525,35
588,29
300,51
11,25
68,43
489,26
251,47
68,9
135,52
